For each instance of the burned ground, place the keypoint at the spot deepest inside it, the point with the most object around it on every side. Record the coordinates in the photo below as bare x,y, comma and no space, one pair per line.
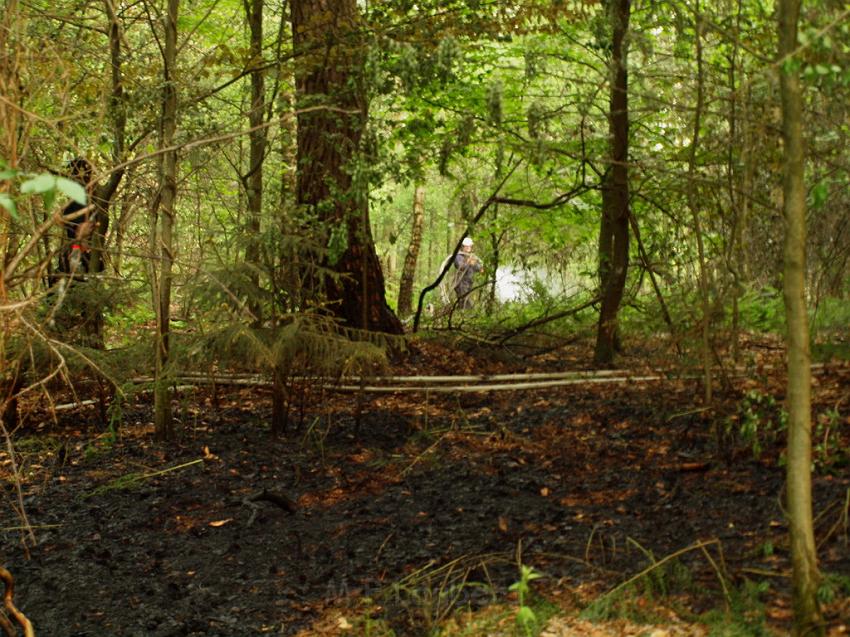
233,532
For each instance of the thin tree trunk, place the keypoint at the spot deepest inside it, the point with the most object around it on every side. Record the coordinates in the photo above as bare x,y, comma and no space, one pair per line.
736,200
257,139
280,406
614,227
495,238
665,313
164,247
104,193
408,272
807,614
325,37
693,196
11,26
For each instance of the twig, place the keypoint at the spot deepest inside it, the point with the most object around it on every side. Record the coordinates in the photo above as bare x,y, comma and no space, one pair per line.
9,603
727,597
546,319
764,572
32,526
842,520
69,406
145,476
21,510
129,479
383,544
690,412
423,454
657,563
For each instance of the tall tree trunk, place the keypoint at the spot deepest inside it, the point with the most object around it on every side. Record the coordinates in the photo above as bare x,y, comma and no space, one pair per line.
11,29
693,196
807,615
253,180
408,272
614,226
331,120
104,193
164,246
737,202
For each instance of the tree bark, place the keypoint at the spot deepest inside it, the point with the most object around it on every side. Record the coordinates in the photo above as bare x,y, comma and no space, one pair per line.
332,114
408,272
253,180
807,614
104,192
164,238
693,196
614,226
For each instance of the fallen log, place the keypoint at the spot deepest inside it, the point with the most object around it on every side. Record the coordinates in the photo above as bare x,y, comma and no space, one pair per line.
466,382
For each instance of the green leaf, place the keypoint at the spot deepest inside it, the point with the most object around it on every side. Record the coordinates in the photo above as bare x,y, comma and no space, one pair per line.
520,587
791,65
72,189
48,197
9,204
39,184
526,616
8,174
819,194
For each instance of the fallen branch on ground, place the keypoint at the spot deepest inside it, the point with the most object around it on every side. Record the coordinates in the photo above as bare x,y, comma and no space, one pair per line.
131,479
470,382
9,604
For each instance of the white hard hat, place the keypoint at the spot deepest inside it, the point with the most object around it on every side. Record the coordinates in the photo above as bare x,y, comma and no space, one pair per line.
467,241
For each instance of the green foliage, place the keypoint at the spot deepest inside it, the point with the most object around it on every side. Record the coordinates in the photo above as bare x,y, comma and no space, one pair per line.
758,422
637,600
37,445
426,598
621,603
745,615
831,317
833,587
762,310
126,321
103,445
300,344
47,185
526,618
830,453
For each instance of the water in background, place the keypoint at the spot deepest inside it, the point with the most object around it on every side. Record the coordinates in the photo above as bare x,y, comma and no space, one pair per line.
517,284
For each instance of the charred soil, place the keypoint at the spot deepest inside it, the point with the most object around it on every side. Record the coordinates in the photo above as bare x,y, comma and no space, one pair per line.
232,532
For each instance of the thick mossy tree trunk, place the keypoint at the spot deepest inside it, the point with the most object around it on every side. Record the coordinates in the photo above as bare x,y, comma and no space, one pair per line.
332,113
614,227
807,616
408,272
164,238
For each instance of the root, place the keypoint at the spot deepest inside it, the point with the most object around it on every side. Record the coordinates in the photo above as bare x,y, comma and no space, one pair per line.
11,609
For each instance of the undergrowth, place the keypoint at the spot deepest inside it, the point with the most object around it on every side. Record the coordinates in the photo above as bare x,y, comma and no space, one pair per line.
436,603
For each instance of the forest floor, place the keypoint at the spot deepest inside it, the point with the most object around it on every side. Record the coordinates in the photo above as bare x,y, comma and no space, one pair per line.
426,509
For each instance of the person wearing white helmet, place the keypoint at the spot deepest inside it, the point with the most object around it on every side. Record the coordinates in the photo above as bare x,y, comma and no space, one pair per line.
467,265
